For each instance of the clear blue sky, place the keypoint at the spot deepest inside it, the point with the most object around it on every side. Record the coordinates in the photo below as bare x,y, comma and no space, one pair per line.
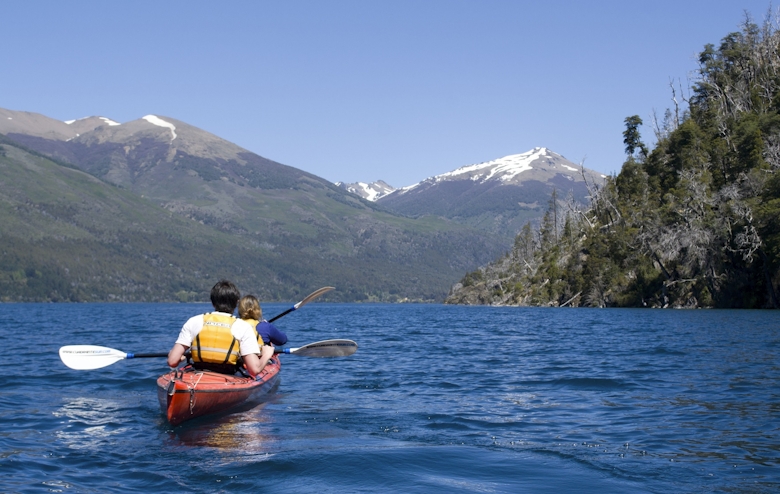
398,90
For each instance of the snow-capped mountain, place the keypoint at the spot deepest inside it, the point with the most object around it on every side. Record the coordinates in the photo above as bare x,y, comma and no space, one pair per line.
370,192
498,195
537,164
206,182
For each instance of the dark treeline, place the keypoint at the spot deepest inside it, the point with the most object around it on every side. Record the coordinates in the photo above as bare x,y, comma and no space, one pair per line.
694,222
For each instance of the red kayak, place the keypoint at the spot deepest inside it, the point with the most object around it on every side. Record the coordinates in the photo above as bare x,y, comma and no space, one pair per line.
187,393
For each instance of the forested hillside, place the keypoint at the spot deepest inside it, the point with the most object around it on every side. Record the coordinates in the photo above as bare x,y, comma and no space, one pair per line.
160,209
693,222
66,235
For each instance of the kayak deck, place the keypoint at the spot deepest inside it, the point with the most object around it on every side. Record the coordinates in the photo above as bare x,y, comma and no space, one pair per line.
187,393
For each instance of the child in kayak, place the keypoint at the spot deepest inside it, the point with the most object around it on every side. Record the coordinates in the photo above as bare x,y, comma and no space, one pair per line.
250,311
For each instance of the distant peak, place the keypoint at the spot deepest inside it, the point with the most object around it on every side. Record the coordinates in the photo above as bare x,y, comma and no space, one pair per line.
507,167
155,120
368,191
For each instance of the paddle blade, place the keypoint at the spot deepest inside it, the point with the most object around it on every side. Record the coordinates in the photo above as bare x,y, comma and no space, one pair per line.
303,302
88,357
312,296
327,348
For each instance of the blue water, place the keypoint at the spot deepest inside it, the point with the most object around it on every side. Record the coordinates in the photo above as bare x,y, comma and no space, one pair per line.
437,399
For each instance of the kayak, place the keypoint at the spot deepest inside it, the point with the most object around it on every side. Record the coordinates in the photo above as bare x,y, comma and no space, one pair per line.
187,392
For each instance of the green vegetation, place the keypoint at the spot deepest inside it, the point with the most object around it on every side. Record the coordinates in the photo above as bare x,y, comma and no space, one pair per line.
694,222
66,235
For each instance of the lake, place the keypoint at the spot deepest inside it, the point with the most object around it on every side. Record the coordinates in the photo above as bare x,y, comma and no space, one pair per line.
436,399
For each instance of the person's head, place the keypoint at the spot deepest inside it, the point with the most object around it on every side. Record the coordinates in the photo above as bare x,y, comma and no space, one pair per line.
224,296
249,308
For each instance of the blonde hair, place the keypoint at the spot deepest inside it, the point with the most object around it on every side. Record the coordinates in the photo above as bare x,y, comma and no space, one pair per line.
249,308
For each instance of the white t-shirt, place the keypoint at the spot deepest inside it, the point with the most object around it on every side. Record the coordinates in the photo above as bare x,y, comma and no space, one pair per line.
241,330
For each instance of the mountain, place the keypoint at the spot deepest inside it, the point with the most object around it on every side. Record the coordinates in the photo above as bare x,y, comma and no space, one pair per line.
295,230
498,196
68,236
370,192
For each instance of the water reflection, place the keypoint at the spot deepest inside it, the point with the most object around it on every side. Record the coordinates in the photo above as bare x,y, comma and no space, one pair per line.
91,422
235,433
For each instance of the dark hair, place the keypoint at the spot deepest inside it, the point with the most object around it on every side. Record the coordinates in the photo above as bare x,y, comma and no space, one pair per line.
224,296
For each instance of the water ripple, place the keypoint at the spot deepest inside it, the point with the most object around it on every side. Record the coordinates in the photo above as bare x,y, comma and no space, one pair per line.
438,398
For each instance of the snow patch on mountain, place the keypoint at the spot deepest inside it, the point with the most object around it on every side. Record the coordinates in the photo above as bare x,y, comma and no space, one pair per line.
505,168
537,164
370,192
104,119
155,120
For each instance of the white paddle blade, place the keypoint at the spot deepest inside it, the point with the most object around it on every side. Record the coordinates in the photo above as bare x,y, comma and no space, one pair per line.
327,348
88,357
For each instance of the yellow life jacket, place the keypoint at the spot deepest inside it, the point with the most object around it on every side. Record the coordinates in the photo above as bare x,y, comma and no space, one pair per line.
215,344
254,323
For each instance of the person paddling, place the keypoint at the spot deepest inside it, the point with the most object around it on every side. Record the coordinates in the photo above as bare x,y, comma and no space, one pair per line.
219,341
250,311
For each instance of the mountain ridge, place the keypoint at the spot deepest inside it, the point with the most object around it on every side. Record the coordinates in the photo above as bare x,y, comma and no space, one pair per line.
498,196
507,169
324,234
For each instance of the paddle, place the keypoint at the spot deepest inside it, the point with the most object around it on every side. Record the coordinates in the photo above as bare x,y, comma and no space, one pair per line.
327,348
303,302
89,357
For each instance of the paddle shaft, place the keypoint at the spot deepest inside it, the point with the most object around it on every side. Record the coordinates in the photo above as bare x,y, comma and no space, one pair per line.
146,355
282,314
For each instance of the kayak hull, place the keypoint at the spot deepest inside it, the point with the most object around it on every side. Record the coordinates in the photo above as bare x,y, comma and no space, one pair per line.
187,393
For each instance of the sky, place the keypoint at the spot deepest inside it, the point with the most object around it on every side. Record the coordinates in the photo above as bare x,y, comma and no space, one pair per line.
366,90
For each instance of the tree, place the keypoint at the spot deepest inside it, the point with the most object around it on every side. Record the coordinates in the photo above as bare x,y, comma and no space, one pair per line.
525,246
631,137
